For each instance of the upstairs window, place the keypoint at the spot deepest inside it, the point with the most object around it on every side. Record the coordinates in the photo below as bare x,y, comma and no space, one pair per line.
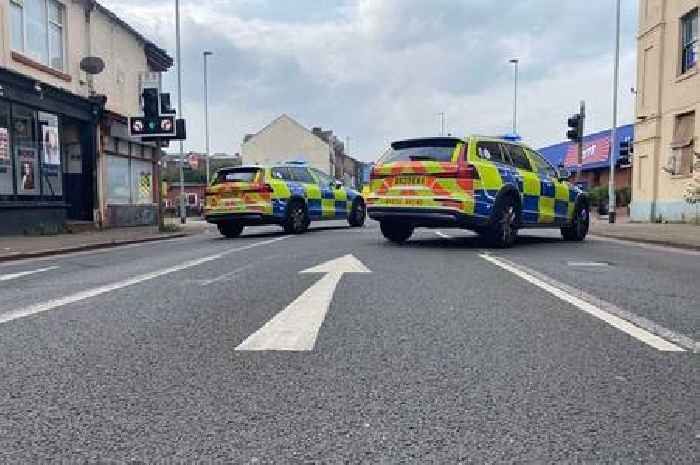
38,31
689,41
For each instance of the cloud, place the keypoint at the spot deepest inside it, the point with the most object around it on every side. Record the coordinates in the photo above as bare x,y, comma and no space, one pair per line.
380,70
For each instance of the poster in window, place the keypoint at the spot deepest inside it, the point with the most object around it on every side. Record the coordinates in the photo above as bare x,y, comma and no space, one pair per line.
4,150
27,170
51,146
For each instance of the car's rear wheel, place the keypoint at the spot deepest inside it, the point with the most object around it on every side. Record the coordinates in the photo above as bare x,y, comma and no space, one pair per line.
396,232
358,214
230,230
579,226
297,218
504,229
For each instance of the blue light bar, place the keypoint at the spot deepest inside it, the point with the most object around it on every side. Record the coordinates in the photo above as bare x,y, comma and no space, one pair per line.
512,137
295,162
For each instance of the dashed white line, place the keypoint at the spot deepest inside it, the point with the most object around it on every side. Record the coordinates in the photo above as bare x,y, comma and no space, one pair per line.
77,297
554,288
443,235
8,277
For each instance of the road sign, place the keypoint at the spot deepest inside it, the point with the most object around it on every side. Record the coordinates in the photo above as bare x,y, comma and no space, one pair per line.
158,126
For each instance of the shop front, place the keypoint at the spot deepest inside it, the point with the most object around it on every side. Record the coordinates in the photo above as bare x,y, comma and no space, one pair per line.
47,153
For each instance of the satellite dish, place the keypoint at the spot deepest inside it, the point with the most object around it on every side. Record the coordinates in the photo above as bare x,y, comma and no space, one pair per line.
92,65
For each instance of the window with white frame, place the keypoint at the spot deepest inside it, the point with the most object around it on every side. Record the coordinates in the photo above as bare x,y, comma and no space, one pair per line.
689,41
38,31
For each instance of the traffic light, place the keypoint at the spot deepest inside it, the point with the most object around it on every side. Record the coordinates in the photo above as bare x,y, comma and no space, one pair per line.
626,150
151,102
575,132
165,108
155,122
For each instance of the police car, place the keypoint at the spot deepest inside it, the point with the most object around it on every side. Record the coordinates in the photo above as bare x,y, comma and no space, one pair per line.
290,195
494,186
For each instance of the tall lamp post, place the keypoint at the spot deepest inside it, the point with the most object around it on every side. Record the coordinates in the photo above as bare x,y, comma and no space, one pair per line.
515,62
613,145
183,211
206,110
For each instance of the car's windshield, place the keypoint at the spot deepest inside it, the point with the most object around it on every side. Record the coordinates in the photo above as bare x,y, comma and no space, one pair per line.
442,150
236,175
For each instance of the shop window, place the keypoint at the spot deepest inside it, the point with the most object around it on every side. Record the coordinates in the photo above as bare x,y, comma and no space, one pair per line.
680,161
24,142
118,180
51,173
38,31
192,200
6,171
689,41
141,182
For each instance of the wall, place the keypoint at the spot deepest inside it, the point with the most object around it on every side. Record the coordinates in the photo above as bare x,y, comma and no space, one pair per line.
284,140
663,94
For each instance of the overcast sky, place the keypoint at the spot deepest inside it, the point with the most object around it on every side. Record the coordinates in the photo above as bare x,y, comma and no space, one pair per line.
380,70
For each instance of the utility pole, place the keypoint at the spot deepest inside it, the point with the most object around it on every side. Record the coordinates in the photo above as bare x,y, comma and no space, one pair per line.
515,61
442,123
183,211
612,204
206,111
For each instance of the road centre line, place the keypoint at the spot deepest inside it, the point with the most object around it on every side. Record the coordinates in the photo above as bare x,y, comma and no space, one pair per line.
83,295
8,277
617,318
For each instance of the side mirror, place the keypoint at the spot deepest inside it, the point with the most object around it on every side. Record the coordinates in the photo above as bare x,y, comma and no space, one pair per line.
338,184
563,173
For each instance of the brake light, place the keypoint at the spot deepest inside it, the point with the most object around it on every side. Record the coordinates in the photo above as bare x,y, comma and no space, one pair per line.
374,174
467,172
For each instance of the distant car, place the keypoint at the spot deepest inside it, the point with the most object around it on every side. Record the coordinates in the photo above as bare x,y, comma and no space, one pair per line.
289,195
489,185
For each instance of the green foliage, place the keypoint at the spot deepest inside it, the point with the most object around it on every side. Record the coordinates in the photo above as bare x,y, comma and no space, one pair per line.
623,196
598,195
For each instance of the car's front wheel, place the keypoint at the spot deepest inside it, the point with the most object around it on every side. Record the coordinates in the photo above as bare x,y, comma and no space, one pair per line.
230,230
580,223
396,232
358,214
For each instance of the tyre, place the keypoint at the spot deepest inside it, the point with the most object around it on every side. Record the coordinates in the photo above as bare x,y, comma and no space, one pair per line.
358,214
504,230
296,220
396,232
230,230
580,223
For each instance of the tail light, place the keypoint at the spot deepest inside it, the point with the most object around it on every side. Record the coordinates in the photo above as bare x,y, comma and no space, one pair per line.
467,171
375,174
266,188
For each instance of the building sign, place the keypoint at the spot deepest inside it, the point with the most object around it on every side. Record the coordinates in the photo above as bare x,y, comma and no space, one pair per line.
27,163
594,151
51,148
4,150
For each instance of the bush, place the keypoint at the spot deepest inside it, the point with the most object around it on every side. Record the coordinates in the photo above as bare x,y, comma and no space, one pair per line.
598,195
623,196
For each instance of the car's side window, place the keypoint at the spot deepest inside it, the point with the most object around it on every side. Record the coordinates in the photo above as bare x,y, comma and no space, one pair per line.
541,166
323,178
300,174
490,151
517,154
281,173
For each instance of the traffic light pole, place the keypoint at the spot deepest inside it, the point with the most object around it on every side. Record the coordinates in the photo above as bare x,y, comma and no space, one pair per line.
579,155
612,204
183,212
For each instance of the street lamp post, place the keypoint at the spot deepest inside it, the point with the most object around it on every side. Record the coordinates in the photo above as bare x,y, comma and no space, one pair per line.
183,212
442,123
515,61
206,111
613,145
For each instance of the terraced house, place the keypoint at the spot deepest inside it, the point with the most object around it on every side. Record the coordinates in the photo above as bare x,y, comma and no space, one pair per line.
666,167
70,75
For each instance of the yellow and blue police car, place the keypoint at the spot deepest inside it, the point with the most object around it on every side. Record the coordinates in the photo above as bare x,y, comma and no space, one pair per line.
494,186
290,195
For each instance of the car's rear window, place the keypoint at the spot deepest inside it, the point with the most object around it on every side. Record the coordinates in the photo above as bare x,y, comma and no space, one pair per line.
236,175
421,150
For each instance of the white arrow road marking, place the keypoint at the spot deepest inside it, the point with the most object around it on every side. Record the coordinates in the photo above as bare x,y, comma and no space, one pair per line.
77,297
8,277
621,321
296,327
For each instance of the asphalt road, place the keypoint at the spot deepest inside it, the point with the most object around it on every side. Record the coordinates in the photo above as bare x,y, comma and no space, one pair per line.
444,352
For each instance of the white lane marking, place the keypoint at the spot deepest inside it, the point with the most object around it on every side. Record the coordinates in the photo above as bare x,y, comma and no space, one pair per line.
443,235
588,264
77,297
8,277
296,327
615,321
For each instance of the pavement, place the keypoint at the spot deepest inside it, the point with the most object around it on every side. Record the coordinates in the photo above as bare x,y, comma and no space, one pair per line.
20,246
676,235
351,350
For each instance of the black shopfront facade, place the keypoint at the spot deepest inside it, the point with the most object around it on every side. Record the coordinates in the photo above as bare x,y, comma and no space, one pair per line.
47,155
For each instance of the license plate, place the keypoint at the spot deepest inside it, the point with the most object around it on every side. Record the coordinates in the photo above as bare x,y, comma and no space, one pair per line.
409,180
